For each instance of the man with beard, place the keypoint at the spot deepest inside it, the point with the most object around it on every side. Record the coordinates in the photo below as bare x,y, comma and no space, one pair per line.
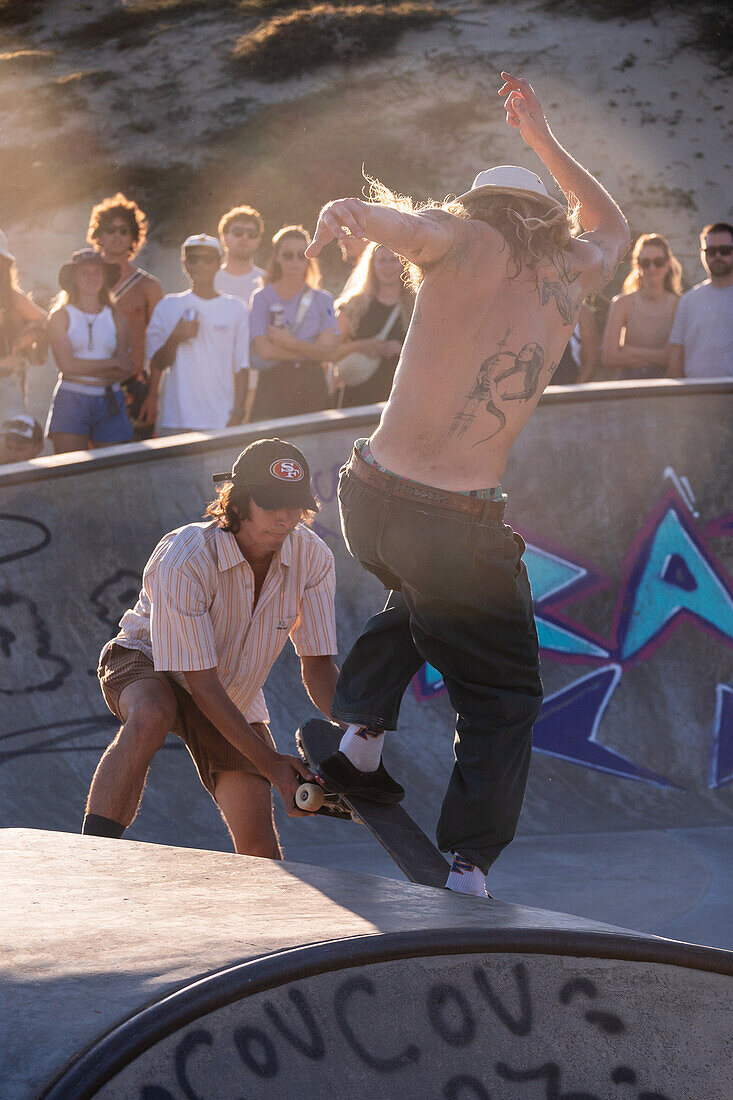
240,233
701,340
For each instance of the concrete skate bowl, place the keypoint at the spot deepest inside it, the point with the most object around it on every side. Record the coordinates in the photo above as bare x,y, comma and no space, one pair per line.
620,492
435,1013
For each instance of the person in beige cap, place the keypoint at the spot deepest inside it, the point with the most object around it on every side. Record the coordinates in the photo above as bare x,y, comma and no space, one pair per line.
501,274
90,341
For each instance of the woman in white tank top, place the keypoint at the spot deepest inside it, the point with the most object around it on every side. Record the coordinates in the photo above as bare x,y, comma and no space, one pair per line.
90,341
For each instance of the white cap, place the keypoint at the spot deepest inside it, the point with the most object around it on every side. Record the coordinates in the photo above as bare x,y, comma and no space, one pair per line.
23,426
508,179
202,240
4,251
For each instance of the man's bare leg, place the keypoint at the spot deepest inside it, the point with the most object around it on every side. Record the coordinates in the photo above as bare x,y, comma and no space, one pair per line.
245,802
148,710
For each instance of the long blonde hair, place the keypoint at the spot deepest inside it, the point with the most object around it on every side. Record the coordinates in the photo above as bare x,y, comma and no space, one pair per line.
364,287
536,230
673,278
273,269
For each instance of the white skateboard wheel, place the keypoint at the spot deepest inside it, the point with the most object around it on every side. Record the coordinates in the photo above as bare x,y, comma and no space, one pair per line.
309,796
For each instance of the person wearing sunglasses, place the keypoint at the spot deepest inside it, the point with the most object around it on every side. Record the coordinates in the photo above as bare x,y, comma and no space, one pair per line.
200,339
701,342
118,228
240,233
640,317
294,332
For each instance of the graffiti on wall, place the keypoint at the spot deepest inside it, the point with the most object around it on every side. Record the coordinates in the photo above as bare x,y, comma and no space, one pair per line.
496,1020
669,575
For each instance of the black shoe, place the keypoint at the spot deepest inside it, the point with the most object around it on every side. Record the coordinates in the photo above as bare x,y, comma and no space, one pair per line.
342,777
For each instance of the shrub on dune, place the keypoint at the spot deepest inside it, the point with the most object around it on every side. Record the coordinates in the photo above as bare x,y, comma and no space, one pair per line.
293,43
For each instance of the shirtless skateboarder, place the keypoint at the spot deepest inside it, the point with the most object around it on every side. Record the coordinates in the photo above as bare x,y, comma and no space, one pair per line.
502,273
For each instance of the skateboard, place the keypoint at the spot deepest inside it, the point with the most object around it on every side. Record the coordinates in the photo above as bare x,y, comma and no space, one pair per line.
391,825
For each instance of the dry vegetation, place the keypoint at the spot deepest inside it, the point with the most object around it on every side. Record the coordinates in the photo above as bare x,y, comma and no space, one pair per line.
301,40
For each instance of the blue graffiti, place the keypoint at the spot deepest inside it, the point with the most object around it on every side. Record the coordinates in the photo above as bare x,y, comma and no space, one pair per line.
549,576
721,763
568,726
672,576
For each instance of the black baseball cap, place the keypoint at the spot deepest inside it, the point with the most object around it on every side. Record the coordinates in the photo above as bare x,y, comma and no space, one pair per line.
275,473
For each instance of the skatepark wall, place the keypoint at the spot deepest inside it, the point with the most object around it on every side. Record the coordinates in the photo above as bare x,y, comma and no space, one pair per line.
621,491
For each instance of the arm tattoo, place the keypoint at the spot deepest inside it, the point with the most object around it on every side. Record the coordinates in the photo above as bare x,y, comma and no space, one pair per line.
460,252
557,289
608,266
504,376
554,288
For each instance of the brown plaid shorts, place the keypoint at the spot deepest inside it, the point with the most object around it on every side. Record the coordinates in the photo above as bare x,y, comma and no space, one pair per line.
209,749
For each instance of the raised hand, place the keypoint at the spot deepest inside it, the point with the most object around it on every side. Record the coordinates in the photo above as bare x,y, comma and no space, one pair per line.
340,218
524,110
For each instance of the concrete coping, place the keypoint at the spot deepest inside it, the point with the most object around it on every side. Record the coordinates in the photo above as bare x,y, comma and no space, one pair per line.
54,466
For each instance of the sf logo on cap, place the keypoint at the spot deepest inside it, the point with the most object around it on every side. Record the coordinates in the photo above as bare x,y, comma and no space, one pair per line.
287,469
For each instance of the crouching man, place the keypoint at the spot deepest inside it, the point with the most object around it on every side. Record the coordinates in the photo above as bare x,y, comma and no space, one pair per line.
218,601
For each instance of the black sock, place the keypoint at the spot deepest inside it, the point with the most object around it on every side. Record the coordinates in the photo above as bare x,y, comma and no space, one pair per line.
96,825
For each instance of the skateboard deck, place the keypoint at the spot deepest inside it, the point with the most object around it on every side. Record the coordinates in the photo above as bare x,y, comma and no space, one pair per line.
391,825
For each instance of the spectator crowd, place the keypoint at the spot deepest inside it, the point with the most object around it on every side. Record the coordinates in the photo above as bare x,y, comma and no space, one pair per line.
247,343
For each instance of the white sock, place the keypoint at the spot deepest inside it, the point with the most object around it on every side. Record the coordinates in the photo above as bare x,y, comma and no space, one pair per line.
362,747
466,878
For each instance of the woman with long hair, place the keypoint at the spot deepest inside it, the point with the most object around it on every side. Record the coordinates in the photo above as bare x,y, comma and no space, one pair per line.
293,331
22,336
90,341
373,316
640,317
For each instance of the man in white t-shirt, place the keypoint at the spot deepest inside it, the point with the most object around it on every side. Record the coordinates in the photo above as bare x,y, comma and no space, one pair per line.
701,340
240,232
201,338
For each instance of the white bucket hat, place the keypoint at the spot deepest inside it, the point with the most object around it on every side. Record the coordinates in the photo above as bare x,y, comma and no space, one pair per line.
509,179
4,250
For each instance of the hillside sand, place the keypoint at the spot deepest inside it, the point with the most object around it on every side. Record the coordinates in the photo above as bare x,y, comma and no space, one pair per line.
647,114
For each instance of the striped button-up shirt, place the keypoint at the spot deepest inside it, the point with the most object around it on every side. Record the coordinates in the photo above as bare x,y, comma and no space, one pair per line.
195,609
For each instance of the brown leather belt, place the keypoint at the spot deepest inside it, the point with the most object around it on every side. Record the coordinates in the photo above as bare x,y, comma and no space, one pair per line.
403,488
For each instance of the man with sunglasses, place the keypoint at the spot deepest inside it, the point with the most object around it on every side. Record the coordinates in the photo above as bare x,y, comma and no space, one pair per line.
118,228
201,339
240,232
701,341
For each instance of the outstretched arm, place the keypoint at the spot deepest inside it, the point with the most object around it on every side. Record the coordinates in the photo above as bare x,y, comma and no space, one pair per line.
422,238
600,217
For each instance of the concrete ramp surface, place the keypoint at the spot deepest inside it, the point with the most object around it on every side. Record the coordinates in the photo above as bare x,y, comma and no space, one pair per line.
621,492
141,972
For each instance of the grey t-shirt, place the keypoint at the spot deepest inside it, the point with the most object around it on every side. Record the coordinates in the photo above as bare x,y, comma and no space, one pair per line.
703,326
239,286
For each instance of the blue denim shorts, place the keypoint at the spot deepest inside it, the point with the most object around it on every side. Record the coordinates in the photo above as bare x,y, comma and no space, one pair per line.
100,417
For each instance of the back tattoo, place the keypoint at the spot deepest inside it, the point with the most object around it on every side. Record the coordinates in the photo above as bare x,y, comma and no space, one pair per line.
505,376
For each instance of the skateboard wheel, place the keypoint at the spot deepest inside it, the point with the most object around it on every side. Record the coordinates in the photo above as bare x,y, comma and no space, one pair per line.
309,796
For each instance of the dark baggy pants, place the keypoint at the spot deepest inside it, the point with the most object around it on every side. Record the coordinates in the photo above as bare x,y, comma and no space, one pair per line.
460,599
